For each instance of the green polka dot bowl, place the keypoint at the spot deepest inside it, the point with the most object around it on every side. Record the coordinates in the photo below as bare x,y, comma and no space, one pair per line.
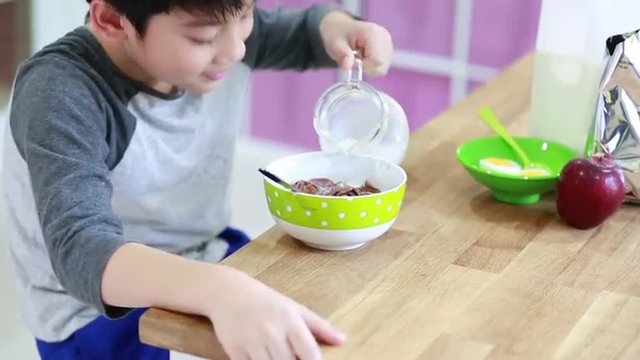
332,222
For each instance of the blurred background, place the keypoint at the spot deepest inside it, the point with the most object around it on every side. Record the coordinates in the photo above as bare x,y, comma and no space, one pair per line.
444,50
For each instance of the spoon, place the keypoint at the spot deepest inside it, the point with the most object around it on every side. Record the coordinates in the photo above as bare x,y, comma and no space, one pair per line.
276,179
529,168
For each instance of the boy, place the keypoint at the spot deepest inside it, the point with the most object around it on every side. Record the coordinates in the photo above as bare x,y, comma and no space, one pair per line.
117,165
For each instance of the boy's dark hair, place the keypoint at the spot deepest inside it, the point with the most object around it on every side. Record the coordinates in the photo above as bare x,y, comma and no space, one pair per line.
138,12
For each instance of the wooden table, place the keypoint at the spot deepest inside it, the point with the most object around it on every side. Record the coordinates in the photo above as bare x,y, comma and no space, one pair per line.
460,276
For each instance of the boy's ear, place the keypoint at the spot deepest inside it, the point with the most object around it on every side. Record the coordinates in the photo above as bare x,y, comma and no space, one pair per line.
106,20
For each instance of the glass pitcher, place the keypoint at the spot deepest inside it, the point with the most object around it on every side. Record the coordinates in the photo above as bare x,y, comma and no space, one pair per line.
353,116
569,61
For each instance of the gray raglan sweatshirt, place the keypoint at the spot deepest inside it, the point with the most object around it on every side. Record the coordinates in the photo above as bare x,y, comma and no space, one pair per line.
93,160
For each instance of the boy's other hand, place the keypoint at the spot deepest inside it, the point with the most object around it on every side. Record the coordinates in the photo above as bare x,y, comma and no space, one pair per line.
253,321
342,34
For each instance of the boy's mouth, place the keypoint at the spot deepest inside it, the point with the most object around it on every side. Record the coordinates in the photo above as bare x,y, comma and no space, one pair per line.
213,76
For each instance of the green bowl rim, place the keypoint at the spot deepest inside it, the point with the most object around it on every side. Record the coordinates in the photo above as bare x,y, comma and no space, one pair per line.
479,169
394,189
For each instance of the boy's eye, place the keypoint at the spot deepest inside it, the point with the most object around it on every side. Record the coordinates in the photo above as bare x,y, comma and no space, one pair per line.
201,42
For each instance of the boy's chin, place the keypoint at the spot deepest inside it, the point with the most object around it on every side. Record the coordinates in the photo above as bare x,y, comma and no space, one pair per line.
202,87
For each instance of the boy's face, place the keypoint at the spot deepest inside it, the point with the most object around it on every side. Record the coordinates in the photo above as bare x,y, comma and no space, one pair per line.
189,51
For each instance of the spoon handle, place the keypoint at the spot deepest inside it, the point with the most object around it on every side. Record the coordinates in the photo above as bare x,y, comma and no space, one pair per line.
487,115
355,73
275,178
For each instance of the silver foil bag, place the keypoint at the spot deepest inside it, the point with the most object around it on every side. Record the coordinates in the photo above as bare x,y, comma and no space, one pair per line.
617,118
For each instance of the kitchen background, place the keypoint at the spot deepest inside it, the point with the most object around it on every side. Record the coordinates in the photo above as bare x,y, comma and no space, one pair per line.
444,50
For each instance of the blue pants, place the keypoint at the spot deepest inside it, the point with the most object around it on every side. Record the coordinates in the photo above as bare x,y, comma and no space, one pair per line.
104,339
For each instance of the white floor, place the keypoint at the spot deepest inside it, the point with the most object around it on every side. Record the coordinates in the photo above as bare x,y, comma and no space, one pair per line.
250,214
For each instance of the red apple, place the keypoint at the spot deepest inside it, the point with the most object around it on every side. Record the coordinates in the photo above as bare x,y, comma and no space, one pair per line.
589,191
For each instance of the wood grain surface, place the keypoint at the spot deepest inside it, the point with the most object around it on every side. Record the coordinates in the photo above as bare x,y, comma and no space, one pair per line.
460,276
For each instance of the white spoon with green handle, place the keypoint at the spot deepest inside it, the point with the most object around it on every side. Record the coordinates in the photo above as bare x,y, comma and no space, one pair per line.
530,169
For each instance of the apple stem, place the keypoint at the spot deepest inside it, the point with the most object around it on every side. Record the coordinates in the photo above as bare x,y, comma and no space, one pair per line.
601,151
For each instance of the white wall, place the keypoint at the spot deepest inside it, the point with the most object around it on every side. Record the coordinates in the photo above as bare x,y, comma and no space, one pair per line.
51,19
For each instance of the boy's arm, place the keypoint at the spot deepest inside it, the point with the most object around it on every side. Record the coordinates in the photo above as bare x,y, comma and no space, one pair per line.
61,132
58,124
288,39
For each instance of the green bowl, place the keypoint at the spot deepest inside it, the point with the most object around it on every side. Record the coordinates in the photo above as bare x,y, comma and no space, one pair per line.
331,222
515,189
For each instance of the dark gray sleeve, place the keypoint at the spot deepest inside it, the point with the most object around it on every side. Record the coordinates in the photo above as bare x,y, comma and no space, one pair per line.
58,124
288,39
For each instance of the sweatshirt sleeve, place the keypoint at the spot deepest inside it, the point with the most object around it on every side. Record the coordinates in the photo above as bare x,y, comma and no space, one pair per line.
288,39
58,123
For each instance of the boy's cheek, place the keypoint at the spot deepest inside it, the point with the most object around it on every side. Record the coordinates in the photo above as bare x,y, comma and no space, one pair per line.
182,68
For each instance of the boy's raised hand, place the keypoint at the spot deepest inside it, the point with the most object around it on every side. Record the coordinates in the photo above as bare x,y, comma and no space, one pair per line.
342,34
253,321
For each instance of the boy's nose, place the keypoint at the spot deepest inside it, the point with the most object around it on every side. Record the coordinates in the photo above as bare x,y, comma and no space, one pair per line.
232,48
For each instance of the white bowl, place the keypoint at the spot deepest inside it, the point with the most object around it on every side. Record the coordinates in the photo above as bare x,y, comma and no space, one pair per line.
331,222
